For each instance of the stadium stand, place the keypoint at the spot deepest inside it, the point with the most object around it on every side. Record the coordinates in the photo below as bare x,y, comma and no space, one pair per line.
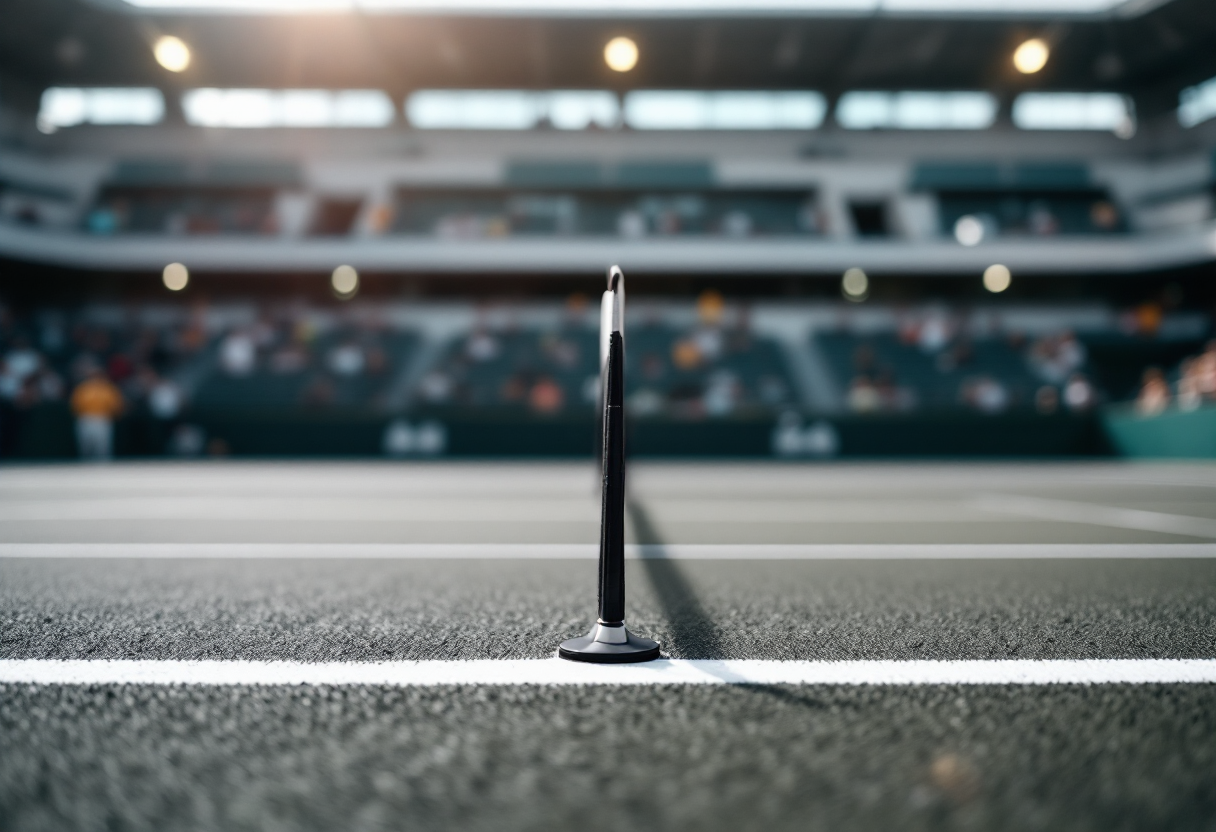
630,214
714,362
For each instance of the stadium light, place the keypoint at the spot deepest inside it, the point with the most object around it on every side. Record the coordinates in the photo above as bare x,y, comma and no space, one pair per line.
175,276
511,109
969,230
209,107
609,641
997,278
855,285
172,53
69,106
860,110
345,282
1075,111
736,110
1031,56
621,54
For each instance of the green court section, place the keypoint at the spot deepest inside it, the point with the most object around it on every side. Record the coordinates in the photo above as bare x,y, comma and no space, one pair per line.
1175,433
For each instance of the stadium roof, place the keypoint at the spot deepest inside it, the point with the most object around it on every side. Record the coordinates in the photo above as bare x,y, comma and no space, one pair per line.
662,8
1145,48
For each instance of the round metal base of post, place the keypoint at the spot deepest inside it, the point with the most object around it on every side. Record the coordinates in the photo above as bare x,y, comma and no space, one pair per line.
587,649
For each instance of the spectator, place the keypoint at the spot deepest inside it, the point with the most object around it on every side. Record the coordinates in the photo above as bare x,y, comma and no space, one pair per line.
1047,400
96,402
1197,379
863,395
20,364
686,354
546,397
644,402
289,359
954,358
891,396
238,354
1104,215
1144,320
482,346
1079,394
1041,220
562,352
436,387
935,333
347,360
631,224
1154,393
709,343
986,395
1189,397
721,394
164,399
710,307
1205,372
513,389
1056,357
119,367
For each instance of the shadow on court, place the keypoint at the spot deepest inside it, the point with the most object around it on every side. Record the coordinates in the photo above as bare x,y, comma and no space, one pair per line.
692,633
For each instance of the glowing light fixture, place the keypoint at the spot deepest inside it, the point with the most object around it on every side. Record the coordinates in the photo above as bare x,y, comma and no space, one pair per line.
969,230
916,110
69,106
997,278
1031,56
855,285
345,281
172,53
1075,111
511,109
621,54
208,107
743,110
175,277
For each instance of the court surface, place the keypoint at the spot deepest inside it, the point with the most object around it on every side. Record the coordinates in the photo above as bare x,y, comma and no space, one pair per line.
878,595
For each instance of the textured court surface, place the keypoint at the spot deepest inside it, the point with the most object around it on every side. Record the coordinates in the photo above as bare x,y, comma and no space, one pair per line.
673,757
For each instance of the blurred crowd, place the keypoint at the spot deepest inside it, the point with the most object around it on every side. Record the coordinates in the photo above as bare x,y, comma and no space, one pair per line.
931,362
1194,384
712,367
101,366
201,210
169,368
178,211
291,357
159,365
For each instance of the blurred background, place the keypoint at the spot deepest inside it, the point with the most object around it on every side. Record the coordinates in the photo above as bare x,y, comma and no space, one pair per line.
381,227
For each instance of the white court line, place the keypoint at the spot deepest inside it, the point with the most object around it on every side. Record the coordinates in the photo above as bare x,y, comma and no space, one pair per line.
560,672
580,551
1070,511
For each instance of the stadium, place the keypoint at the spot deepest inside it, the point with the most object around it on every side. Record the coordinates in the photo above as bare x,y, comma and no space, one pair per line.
345,484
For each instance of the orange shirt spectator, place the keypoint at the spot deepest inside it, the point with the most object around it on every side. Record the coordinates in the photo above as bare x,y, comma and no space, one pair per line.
98,397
